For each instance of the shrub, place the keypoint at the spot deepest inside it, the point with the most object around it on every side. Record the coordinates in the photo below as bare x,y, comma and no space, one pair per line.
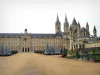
39,51
77,54
64,52
14,52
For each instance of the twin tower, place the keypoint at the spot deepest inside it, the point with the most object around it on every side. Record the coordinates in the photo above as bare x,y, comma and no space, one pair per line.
58,25
67,28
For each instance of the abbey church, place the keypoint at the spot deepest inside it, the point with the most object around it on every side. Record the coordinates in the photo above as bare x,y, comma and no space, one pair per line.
73,37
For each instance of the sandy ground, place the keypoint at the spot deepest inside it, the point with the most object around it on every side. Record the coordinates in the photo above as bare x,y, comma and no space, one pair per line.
37,64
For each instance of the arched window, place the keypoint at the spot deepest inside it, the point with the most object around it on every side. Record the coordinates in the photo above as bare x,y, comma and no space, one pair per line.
84,34
79,45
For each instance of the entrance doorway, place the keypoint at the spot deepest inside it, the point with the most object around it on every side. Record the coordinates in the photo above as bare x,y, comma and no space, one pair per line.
22,49
25,49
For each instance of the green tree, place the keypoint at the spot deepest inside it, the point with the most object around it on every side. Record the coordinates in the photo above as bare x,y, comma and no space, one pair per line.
77,54
64,52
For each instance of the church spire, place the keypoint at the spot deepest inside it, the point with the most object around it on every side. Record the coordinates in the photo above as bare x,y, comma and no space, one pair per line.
57,18
66,18
94,29
66,21
87,26
78,24
74,21
57,21
94,32
66,24
57,25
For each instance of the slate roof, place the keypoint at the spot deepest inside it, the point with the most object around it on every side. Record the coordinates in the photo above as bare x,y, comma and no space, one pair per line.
74,22
32,35
83,37
83,29
10,34
42,35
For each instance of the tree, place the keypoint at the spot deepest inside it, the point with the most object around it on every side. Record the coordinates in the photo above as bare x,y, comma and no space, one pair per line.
87,53
77,54
64,52
61,51
4,50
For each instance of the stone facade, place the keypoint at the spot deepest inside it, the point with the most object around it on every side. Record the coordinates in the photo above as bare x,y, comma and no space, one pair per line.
30,42
73,37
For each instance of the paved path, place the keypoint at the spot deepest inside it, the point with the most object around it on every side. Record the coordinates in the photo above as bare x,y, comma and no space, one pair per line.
37,64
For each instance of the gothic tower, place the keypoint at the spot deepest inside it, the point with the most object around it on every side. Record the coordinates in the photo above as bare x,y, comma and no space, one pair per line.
87,26
73,31
94,32
74,22
66,25
57,25
78,28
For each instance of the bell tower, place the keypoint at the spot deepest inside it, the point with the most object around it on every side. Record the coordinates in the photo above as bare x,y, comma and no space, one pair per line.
94,32
87,26
66,25
57,25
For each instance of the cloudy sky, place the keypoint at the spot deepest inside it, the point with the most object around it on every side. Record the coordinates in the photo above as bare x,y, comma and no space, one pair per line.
39,16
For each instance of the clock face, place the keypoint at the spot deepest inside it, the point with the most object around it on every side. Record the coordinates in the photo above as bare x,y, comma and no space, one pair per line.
25,39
